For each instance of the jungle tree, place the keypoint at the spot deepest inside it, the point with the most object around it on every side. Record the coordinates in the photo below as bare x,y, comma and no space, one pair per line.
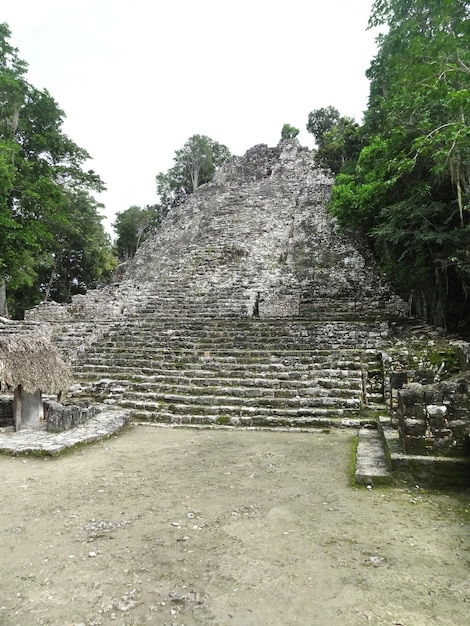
409,191
41,178
194,164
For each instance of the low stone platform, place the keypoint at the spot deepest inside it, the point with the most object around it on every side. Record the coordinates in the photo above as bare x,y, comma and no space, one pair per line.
429,471
39,442
371,462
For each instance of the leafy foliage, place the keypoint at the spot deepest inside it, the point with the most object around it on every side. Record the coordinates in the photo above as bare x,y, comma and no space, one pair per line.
409,190
289,132
47,218
321,121
340,145
133,226
339,139
195,165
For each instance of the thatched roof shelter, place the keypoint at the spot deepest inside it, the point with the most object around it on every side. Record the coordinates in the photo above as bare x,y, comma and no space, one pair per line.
32,362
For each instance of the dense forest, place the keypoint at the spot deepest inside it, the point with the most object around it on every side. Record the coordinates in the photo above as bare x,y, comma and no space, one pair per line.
52,243
402,175
403,178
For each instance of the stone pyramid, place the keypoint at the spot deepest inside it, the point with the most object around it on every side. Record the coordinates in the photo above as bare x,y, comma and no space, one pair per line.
248,307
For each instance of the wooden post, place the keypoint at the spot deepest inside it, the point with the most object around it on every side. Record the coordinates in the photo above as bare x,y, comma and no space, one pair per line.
17,407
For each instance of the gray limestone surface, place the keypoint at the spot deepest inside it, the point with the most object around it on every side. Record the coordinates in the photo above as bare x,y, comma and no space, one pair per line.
37,441
371,465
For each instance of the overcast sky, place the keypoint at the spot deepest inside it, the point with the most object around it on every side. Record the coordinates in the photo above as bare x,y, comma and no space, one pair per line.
137,78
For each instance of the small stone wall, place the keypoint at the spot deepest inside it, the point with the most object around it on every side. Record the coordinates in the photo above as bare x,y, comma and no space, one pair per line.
61,417
435,419
427,390
58,417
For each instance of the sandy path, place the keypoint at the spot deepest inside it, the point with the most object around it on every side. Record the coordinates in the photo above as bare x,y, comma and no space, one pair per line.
180,527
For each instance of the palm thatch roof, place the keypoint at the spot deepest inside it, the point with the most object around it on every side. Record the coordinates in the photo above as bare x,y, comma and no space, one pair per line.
32,362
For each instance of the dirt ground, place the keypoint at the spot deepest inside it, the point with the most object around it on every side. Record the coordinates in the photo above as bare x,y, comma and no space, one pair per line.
240,528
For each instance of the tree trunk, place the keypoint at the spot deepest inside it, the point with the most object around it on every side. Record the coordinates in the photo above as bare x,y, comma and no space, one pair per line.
194,172
17,407
51,280
3,299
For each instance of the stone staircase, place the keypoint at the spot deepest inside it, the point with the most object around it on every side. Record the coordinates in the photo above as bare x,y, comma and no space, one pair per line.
247,308
239,372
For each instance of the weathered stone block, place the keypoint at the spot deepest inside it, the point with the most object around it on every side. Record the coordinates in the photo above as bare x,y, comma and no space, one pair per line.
437,415
61,417
414,427
432,396
416,445
398,380
410,397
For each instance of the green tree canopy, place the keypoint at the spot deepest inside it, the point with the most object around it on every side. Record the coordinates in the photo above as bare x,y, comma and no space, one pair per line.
41,175
133,226
289,132
320,121
409,191
194,165
340,145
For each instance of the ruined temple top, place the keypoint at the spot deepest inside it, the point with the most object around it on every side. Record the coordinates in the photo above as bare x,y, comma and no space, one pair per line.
287,160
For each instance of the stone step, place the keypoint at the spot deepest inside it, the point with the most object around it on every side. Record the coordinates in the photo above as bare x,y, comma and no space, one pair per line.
220,357
338,315
210,403
243,327
228,417
142,345
273,378
255,326
248,382
360,341
152,346
147,370
229,389
286,357
107,388
248,326
372,467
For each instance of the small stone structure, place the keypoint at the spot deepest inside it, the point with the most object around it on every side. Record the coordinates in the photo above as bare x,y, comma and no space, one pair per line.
56,417
60,417
434,419
30,365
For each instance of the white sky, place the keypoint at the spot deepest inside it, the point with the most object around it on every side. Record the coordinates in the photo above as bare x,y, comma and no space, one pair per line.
137,78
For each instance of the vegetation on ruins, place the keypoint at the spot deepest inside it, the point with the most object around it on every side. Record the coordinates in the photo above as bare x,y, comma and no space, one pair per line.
407,188
194,165
321,121
289,132
339,139
52,242
133,227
